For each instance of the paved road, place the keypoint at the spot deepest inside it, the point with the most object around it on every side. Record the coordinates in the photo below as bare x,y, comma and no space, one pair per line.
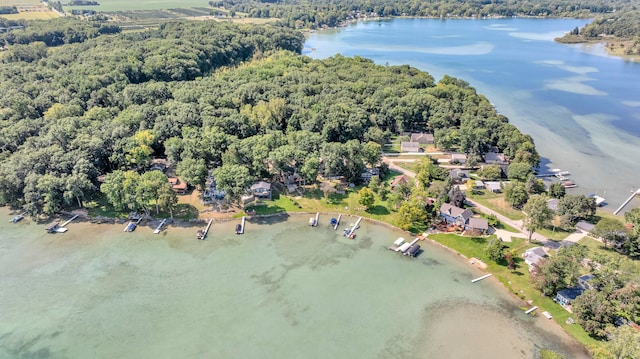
515,224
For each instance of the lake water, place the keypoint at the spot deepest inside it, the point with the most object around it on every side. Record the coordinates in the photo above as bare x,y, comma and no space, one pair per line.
581,106
282,290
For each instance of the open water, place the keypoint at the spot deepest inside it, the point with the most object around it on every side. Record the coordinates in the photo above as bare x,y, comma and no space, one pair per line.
282,290
581,106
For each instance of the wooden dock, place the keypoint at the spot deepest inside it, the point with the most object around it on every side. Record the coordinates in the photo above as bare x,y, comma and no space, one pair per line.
349,233
69,221
626,202
202,234
337,222
531,310
481,278
159,227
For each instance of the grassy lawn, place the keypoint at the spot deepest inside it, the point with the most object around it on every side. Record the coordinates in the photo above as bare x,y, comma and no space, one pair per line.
518,281
496,202
597,250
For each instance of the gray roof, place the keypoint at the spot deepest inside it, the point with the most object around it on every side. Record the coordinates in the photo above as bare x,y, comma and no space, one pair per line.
493,186
585,226
478,223
262,185
409,147
553,204
424,138
492,157
454,211
534,255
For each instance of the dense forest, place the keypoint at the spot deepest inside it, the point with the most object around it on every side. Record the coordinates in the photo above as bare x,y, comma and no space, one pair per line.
215,95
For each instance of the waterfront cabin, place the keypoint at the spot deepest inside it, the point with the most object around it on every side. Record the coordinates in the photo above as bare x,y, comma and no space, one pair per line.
399,180
566,296
422,138
533,255
179,186
51,228
368,173
493,186
477,225
261,189
455,215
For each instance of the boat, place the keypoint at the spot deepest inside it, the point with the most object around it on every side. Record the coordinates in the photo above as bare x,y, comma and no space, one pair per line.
200,234
51,228
413,250
569,184
18,218
238,228
312,222
130,227
333,221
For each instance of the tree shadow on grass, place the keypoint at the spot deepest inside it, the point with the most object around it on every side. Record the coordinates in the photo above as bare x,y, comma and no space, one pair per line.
185,212
378,210
275,218
479,240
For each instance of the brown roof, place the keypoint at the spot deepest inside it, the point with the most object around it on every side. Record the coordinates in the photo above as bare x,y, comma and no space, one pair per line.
402,179
177,184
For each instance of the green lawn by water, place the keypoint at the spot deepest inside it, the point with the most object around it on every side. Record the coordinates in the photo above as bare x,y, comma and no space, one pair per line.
518,281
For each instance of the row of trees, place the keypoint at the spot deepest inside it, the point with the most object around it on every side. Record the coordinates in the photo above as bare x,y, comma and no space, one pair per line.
316,13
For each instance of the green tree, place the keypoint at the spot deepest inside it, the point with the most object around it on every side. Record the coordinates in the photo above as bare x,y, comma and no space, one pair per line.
113,189
537,214
495,250
411,215
534,185
576,207
558,272
610,231
490,172
519,171
595,312
365,197
235,180
557,190
371,153
193,171
623,343
516,194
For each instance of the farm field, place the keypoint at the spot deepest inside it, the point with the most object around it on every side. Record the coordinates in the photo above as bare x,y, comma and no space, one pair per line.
125,5
19,2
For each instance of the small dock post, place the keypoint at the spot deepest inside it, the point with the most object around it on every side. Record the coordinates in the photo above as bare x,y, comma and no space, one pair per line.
481,278
338,222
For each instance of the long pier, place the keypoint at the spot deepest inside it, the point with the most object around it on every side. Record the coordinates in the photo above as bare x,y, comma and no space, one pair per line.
481,278
206,230
69,221
159,228
531,310
626,202
337,222
242,226
317,218
353,229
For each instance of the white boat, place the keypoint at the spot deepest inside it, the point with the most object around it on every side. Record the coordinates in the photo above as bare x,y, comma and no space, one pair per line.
399,241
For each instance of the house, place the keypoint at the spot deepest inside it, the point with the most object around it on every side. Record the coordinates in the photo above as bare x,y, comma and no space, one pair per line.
477,225
159,164
533,255
399,180
552,204
410,147
261,189
495,158
422,138
458,158
478,184
585,281
566,296
178,185
369,173
455,215
493,186
459,176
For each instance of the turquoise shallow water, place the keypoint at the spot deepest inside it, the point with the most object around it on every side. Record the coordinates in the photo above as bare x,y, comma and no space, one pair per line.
581,106
282,290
